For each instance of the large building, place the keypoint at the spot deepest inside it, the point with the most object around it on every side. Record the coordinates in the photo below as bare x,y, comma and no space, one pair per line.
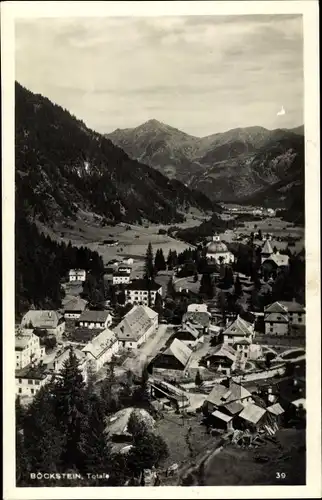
95,319
141,291
239,330
136,327
281,315
101,349
27,349
51,321
30,379
218,252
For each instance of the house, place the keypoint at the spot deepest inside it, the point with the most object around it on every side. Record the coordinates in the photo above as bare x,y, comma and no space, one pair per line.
252,417
120,277
30,379
277,412
136,327
238,330
111,243
199,319
272,260
292,310
224,393
221,420
276,324
139,290
117,424
51,321
95,319
101,349
218,252
124,269
173,357
57,361
27,349
188,334
197,308
74,308
221,358
128,261
77,275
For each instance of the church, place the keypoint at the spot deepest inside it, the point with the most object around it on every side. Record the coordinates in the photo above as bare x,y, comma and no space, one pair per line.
218,252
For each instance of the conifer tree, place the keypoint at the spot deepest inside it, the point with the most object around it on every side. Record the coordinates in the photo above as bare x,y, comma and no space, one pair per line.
149,271
158,304
171,291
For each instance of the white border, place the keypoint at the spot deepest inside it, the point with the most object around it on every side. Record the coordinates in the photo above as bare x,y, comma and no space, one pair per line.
309,9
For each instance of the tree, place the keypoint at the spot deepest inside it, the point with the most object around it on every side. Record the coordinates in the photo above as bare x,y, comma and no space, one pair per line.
260,236
141,396
159,262
171,291
228,280
195,277
206,286
158,304
149,271
149,450
70,406
237,287
198,379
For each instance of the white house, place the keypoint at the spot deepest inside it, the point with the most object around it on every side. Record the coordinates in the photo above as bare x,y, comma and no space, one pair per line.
30,379
137,292
121,277
101,349
95,319
77,275
74,308
124,269
238,330
129,261
137,325
51,321
280,315
27,349
218,252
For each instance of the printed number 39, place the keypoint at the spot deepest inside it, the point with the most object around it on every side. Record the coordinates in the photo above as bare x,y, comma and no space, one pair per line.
280,475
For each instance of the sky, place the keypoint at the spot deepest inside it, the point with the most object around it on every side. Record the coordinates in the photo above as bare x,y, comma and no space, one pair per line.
200,74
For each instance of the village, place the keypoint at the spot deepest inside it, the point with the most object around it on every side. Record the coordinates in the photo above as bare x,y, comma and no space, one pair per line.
224,363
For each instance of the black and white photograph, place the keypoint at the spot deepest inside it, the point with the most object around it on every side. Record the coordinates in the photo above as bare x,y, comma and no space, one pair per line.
162,249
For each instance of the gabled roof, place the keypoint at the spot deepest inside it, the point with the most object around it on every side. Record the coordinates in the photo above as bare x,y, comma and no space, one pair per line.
63,355
74,305
197,308
196,317
189,328
135,323
41,319
221,395
276,318
222,350
276,409
275,307
36,373
94,316
100,343
117,423
234,407
222,416
279,259
267,248
22,340
284,306
179,350
239,327
252,413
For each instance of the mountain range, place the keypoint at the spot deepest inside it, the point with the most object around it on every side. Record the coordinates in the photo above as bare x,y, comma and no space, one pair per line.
63,167
237,165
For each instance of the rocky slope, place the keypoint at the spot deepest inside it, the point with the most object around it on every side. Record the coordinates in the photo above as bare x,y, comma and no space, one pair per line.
63,166
228,166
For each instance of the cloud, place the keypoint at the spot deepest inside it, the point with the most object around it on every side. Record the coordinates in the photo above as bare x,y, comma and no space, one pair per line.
200,73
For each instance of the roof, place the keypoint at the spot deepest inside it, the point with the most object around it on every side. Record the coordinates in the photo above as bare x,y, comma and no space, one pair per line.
197,308
179,350
75,304
243,342
252,413
83,334
234,407
239,327
267,248
217,247
142,284
94,316
284,306
188,327
72,271
276,318
121,273
62,356
21,340
135,323
41,319
222,416
101,343
299,402
222,350
276,409
221,395
203,318
279,259
36,373
117,423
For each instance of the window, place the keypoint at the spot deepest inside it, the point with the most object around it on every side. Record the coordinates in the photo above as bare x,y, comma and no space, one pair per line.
20,391
37,382
32,391
300,319
20,381
30,382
